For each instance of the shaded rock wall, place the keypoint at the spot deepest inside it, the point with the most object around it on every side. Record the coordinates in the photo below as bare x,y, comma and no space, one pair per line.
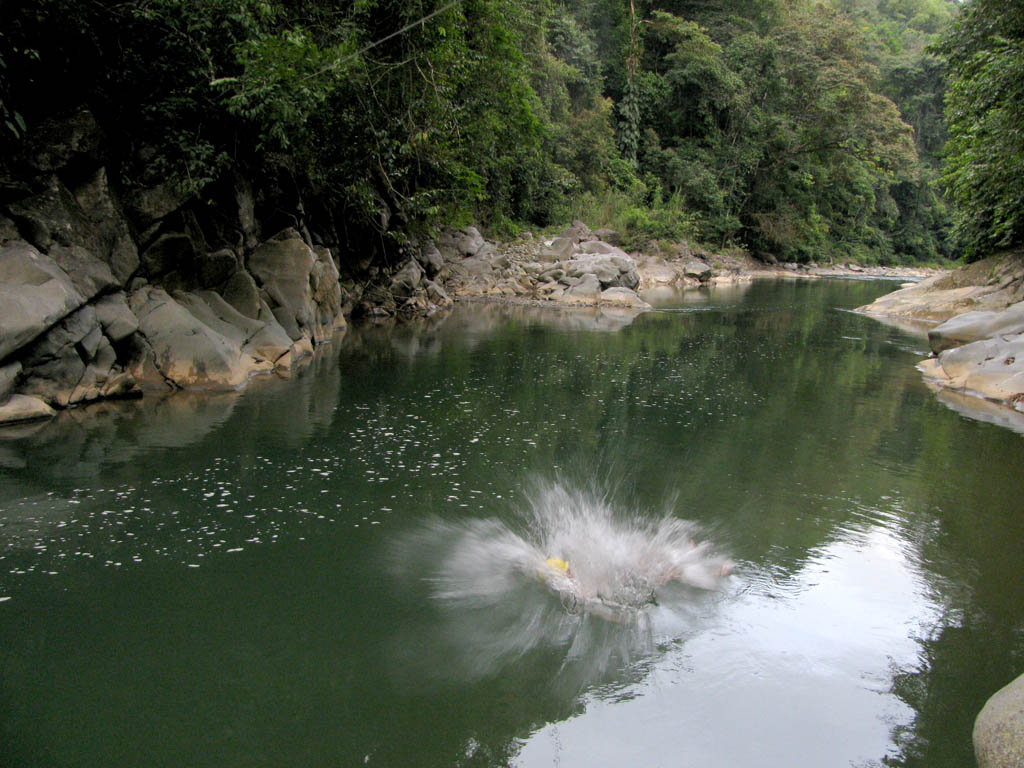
108,292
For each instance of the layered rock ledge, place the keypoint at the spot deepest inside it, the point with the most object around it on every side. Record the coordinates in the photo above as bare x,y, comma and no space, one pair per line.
976,316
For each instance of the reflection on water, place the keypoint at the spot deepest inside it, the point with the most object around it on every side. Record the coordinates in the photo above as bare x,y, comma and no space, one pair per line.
351,567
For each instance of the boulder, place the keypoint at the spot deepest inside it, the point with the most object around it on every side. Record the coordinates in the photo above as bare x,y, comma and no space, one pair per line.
52,217
24,408
430,259
577,232
186,352
973,326
658,272
283,265
115,317
215,269
999,729
58,362
241,292
111,234
8,378
406,280
35,294
612,270
697,269
990,368
585,291
560,249
73,143
169,252
623,297
470,242
598,246
90,275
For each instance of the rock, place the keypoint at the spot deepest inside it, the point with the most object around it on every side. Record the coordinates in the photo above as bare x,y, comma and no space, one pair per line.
586,291
577,232
73,362
241,292
172,251
990,368
437,295
698,269
35,294
89,274
51,217
623,297
115,243
973,326
406,280
283,265
8,378
597,246
430,259
24,408
470,242
185,351
561,248
657,272
614,269
999,729
376,301
73,143
146,207
215,269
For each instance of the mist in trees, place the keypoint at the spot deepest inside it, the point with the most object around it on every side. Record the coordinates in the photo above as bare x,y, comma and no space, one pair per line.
799,130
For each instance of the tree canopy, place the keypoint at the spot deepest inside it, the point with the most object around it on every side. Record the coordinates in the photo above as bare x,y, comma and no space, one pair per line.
800,129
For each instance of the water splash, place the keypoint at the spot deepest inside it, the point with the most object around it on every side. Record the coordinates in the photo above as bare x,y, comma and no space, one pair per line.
503,592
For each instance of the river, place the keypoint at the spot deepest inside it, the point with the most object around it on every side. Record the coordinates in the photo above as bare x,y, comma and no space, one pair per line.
337,569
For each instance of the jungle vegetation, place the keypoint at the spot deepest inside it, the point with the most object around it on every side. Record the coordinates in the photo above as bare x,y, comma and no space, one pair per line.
877,131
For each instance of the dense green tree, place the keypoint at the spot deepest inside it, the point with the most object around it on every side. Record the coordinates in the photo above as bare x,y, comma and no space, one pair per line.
985,111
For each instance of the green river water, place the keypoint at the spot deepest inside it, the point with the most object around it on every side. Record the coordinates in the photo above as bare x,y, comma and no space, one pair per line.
265,578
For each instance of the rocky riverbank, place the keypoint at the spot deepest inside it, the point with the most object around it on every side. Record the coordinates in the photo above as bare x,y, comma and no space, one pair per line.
976,329
109,290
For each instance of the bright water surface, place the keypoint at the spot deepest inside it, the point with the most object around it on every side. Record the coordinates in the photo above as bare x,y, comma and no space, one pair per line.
329,571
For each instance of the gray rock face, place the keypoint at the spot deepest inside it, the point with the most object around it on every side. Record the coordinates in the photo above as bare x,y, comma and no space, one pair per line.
241,292
115,317
24,408
406,280
471,241
173,251
283,265
185,351
8,377
623,297
35,294
999,729
972,326
430,259
698,269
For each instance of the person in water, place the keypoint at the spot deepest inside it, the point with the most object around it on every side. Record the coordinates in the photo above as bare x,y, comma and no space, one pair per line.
557,574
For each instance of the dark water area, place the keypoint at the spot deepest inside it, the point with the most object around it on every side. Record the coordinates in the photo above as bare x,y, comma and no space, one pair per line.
264,578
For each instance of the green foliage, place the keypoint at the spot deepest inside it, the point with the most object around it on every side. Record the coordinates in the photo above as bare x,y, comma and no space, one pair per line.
805,129
985,111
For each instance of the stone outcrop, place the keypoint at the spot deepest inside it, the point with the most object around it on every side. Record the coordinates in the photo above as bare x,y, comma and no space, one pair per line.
977,338
999,729
108,294
576,268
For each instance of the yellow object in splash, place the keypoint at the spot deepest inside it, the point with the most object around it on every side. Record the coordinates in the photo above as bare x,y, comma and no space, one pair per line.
553,564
